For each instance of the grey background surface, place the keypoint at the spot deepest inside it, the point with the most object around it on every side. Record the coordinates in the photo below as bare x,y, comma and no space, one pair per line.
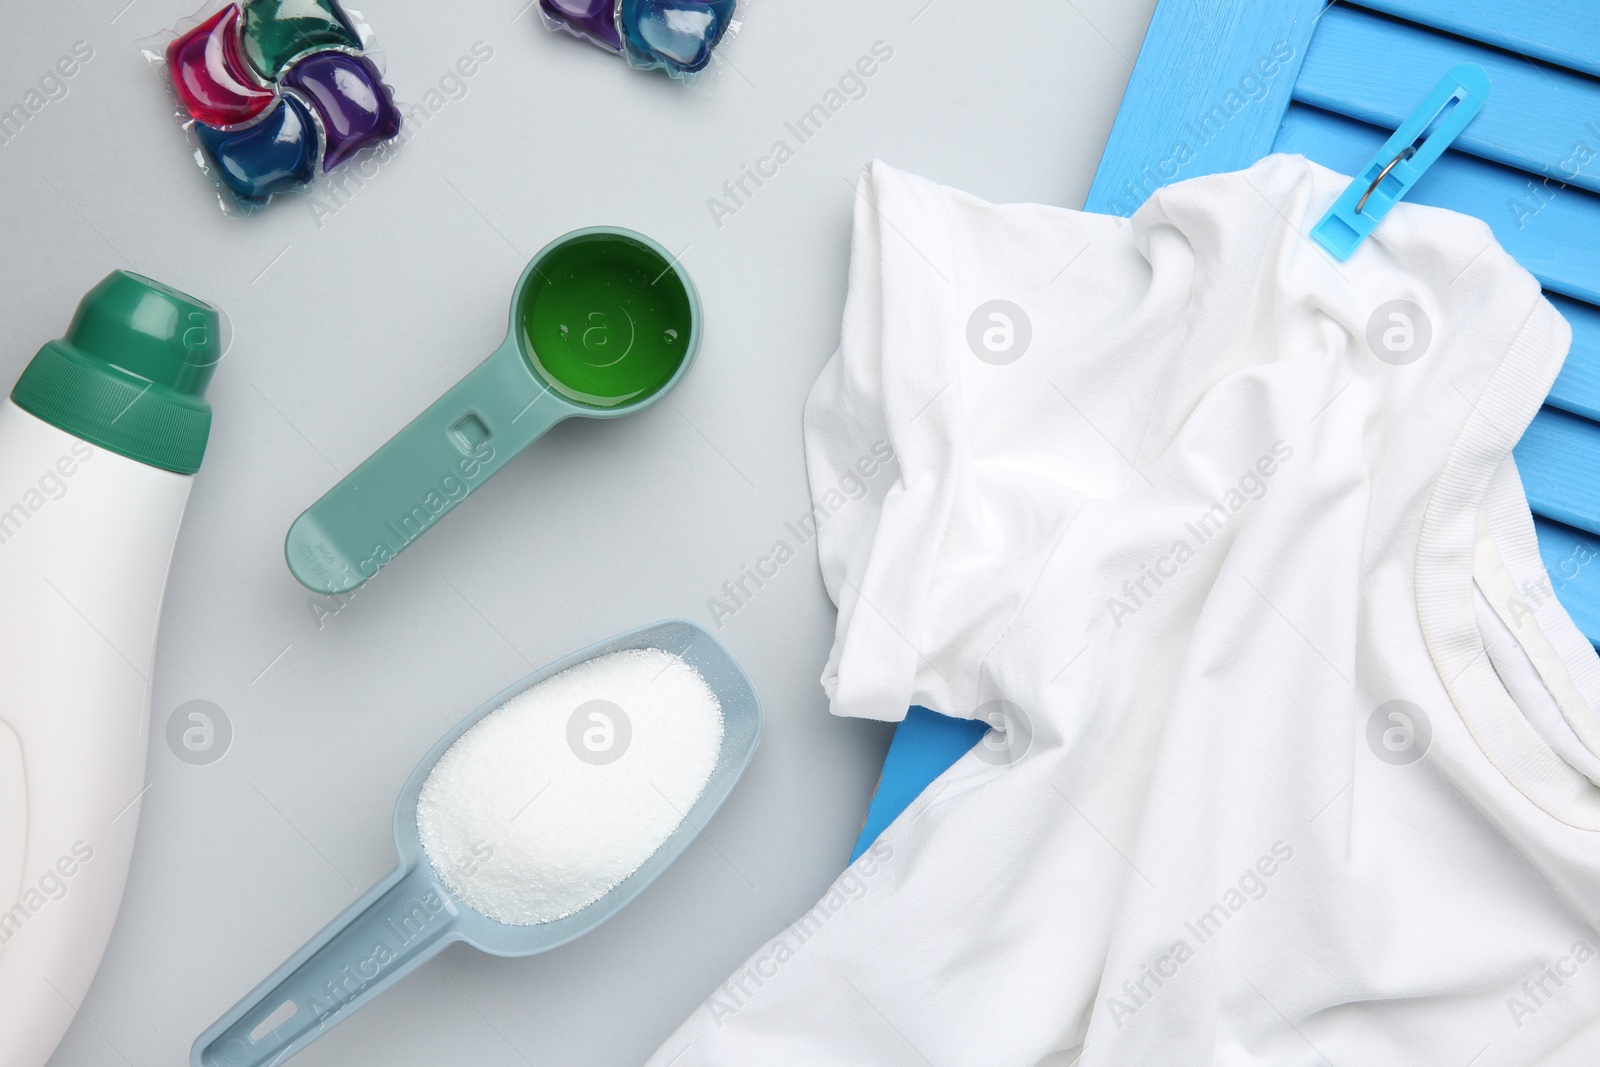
347,324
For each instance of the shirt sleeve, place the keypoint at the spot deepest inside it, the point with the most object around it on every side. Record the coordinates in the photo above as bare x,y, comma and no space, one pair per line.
944,453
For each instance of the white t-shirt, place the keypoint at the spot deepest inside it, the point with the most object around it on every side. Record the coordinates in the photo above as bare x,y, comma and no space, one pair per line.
1298,744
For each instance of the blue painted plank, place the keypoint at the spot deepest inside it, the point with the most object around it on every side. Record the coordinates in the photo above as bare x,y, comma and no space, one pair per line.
1572,558
1554,238
1205,96
1374,68
925,745
1558,244
1578,388
1559,458
1564,32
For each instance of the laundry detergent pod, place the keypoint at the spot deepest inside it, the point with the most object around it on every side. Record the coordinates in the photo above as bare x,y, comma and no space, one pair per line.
209,73
592,20
274,93
350,99
680,37
279,152
676,34
277,32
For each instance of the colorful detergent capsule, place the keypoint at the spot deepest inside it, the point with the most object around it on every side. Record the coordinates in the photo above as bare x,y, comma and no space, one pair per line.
679,34
594,20
279,152
351,99
214,83
277,31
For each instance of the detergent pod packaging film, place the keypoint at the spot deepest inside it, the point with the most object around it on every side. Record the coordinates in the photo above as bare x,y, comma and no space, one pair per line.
684,38
276,93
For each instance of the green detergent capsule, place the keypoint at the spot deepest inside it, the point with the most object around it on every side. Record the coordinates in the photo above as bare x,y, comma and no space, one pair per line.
603,322
277,32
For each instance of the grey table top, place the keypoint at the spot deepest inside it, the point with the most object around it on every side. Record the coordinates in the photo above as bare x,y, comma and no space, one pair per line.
347,321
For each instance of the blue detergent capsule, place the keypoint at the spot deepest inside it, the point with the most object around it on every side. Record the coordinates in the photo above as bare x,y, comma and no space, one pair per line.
676,34
277,153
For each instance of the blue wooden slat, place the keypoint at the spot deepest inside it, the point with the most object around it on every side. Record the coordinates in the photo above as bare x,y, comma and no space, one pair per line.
925,745
1205,96
1572,559
1578,388
1557,244
1556,31
1373,68
1559,458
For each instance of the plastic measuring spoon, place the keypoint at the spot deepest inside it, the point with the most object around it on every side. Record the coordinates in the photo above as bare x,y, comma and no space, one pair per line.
603,322
411,915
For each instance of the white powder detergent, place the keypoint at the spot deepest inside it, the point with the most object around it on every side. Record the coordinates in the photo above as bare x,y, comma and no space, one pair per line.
552,799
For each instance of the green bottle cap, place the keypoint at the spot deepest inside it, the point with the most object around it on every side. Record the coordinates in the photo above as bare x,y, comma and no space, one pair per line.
131,373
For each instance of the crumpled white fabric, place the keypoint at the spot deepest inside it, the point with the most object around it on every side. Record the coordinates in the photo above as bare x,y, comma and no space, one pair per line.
1225,576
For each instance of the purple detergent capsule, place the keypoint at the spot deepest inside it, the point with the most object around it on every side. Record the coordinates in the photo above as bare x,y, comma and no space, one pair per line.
593,20
351,100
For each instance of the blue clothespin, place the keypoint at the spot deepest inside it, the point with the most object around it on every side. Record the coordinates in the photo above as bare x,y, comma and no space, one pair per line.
1403,159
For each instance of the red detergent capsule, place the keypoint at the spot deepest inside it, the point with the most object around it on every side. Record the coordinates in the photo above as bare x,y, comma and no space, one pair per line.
213,81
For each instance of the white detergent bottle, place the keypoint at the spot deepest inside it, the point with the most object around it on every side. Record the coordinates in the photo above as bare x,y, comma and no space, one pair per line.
98,443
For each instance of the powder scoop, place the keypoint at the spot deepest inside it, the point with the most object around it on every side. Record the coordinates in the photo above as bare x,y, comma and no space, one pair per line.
413,914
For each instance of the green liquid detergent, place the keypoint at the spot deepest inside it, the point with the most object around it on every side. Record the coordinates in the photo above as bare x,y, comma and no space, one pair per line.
605,320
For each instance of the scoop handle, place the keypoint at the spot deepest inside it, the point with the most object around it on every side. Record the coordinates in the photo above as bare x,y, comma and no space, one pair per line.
426,469
401,923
